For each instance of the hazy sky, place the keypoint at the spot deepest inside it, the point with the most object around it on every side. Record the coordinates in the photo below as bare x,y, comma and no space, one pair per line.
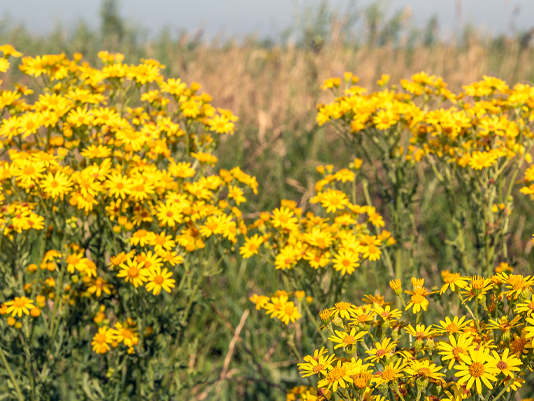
266,17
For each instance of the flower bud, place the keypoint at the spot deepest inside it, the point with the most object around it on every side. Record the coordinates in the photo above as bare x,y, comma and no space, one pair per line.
418,345
338,321
422,383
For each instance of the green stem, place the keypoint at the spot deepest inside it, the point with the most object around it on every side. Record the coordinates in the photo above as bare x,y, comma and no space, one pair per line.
10,373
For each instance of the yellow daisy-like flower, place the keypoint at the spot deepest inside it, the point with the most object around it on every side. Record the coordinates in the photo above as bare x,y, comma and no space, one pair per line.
506,363
345,261
123,333
316,365
133,273
392,372
452,280
451,351
56,185
343,309
477,368
425,369
381,350
481,160
417,303
19,305
344,339
251,246
158,279
453,326
338,375
102,339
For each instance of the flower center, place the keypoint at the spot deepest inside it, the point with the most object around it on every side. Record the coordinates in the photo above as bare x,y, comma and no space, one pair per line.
456,351
502,365
380,353
133,272
158,280
476,370
336,374
388,374
425,372
452,328
317,368
101,338
349,340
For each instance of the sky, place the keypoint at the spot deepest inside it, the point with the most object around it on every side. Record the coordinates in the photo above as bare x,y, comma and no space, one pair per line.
264,17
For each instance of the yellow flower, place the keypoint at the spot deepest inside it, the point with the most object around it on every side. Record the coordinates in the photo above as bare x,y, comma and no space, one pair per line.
19,305
449,326
133,273
417,302
338,375
424,369
480,160
477,368
124,334
391,373
288,312
452,350
284,218
381,350
251,246
507,364
102,339
345,339
158,279
56,185
315,365
346,261
453,280
169,213
99,285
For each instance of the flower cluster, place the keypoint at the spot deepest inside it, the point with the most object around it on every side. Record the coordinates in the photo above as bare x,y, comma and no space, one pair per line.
389,353
108,187
323,245
475,142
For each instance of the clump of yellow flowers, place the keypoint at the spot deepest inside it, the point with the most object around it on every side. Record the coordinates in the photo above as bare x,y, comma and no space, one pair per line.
378,352
112,217
316,250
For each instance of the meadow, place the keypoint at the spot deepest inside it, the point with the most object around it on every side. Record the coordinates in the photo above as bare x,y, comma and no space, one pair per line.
163,243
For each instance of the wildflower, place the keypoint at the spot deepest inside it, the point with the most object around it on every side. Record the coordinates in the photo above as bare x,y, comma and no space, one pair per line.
315,365
449,326
99,285
392,372
158,279
122,333
452,350
507,364
345,339
338,375
251,246
19,305
133,273
453,280
346,261
56,185
476,368
381,350
102,339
